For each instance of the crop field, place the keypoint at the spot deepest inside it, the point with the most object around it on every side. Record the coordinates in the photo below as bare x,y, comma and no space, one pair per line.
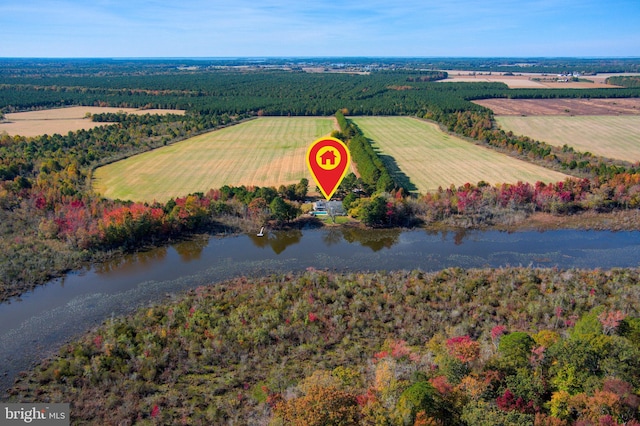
268,151
568,107
606,127
63,120
432,158
528,80
609,136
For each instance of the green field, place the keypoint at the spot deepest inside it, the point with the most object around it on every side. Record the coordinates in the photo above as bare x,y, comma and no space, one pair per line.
262,152
606,135
432,158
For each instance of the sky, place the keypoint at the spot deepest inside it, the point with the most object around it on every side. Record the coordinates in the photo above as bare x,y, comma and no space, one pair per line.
285,28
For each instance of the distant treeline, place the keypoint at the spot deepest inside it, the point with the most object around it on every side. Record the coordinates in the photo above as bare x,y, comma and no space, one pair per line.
625,81
20,67
263,93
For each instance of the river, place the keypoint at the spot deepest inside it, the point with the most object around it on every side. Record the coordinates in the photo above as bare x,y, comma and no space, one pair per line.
38,323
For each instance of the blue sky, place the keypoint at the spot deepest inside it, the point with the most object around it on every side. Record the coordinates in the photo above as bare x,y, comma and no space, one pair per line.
212,28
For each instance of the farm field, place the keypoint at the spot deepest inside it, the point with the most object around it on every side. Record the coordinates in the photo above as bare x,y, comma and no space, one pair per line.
63,120
432,158
268,151
528,80
606,127
568,107
615,137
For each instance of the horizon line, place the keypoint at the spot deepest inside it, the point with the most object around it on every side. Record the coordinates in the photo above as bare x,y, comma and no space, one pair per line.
309,57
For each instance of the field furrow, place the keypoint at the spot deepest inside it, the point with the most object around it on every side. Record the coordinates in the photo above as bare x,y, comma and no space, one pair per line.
432,158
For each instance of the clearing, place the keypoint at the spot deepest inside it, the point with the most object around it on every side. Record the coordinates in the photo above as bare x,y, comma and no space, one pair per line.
432,158
64,120
268,151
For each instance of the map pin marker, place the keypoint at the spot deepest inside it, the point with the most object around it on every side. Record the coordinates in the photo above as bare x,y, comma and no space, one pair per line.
328,161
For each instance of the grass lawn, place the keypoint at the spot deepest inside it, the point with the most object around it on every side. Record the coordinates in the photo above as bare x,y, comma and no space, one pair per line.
268,151
431,158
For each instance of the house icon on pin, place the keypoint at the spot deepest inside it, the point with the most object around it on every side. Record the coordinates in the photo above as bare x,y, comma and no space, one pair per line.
328,158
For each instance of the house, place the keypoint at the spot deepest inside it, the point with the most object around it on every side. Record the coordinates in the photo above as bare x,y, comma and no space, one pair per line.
328,158
319,206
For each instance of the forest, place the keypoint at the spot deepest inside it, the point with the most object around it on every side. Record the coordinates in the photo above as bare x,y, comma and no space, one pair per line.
511,346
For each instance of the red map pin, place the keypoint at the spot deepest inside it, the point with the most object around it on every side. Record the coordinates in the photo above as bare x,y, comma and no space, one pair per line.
328,161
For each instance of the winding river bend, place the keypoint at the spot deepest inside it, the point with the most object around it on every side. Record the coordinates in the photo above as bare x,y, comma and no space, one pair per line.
41,321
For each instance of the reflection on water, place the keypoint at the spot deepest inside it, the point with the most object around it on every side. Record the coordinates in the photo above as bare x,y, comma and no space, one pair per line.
192,249
125,264
458,235
375,240
278,241
332,237
446,248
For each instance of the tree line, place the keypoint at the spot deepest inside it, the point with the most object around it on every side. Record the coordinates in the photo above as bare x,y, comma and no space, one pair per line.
42,67
373,172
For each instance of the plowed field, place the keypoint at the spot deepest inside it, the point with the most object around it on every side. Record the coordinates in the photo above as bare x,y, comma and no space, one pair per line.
605,127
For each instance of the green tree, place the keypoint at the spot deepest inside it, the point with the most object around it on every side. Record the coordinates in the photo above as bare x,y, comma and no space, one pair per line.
481,413
283,211
630,328
348,200
587,325
515,349
348,184
385,182
301,189
374,212
420,396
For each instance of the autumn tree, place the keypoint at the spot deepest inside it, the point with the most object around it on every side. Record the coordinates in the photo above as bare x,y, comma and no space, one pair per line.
320,406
